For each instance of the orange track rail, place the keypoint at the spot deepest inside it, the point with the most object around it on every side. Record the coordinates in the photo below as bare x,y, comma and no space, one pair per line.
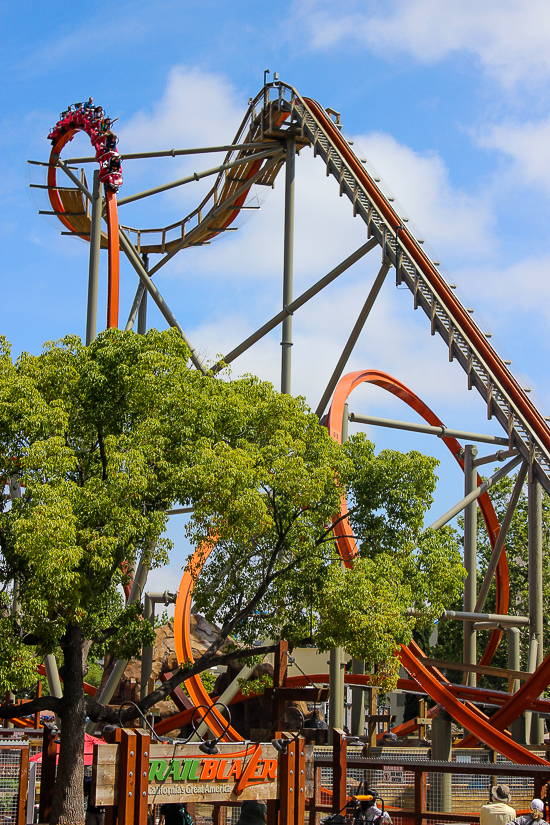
184,652
112,224
519,701
114,259
347,546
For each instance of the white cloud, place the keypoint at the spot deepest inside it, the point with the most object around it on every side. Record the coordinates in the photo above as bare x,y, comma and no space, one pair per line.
445,214
528,144
523,287
198,108
510,38
326,232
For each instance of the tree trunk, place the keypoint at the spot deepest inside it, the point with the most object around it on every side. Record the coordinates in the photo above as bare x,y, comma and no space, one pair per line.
68,798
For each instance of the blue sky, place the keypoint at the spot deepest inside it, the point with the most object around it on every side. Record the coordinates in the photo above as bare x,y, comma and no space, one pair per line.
449,101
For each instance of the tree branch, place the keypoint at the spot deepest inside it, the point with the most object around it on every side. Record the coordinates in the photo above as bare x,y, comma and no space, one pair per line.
334,523
104,713
52,703
102,453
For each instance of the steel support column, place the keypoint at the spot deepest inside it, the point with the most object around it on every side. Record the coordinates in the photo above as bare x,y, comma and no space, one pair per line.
470,559
116,674
352,340
95,247
357,702
535,589
147,652
441,752
517,728
52,675
142,312
288,262
15,492
336,698
501,538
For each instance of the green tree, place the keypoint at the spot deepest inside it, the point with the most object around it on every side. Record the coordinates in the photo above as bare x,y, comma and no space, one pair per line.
105,439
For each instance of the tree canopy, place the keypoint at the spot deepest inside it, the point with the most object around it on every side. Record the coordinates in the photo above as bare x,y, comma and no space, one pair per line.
105,439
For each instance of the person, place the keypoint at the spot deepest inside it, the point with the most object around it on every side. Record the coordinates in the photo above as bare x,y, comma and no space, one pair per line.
95,814
536,814
252,813
174,813
374,814
111,141
498,810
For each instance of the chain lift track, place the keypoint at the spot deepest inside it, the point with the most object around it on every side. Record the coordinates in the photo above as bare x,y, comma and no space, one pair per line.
526,429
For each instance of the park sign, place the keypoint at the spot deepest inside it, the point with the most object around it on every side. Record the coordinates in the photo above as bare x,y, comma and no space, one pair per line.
183,773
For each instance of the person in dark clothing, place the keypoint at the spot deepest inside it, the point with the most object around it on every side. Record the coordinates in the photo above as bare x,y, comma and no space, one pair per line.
95,814
174,813
253,813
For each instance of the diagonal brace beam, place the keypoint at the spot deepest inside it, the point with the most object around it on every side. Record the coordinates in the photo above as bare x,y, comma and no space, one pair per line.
173,153
475,494
352,340
195,176
73,177
501,538
296,304
135,307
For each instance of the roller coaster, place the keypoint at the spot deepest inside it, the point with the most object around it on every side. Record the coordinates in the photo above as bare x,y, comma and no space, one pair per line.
278,123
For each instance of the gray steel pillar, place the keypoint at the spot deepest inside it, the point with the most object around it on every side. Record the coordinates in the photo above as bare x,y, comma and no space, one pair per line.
336,685
441,751
535,591
147,652
142,312
470,559
517,728
95,247
288,264
357,702
54,682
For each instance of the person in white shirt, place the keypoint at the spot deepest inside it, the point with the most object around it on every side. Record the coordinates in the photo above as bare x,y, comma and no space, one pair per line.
535,815
498,811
